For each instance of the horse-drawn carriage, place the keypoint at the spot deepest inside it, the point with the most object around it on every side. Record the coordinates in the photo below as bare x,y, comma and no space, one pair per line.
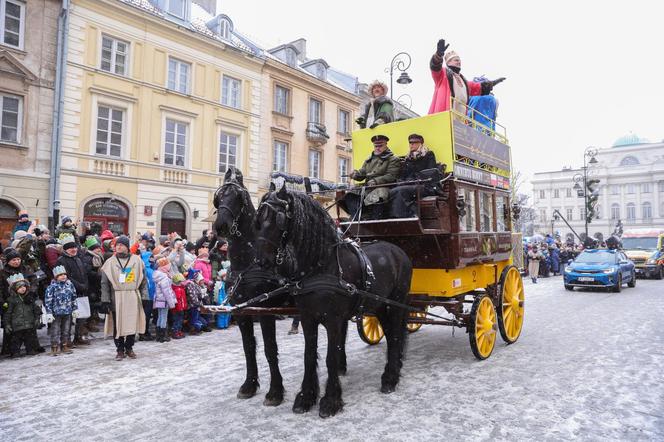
460,243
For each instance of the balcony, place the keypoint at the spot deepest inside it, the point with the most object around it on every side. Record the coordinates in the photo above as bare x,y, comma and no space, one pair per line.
175,176
108,167
317,133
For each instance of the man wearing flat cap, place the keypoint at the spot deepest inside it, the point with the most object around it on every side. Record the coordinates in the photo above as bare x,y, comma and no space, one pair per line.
404,197
381,167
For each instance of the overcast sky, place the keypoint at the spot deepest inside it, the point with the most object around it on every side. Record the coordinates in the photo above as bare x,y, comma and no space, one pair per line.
579,73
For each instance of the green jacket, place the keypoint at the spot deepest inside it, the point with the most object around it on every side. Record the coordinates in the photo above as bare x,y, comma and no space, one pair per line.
22,313
376,170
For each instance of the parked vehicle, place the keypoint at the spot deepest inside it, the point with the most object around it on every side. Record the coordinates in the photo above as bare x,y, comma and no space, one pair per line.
600,268
642,247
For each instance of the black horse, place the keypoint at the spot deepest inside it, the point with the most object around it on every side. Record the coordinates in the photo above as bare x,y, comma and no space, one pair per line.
298,237
235,221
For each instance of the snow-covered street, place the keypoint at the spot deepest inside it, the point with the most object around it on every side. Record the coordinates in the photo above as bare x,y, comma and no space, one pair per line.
588,365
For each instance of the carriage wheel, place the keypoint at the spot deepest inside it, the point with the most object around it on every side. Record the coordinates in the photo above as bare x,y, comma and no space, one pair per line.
370,330
413,327
482,327
511,304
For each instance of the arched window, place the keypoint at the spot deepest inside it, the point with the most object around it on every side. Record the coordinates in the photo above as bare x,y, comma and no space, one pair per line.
615,211
173,219
629,161
8,220
102,214
646,210
225,29
631,211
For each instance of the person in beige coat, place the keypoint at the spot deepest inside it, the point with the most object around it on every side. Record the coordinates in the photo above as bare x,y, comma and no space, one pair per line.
123,288
534,258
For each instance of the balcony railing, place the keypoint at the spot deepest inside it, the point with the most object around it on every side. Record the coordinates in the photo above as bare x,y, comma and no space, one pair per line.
175,176
109,167
317,133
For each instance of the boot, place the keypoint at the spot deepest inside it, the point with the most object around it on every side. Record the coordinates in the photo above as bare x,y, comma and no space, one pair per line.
158,335
66,349
119,355
78,341
131,354
54,350
293,331
164,335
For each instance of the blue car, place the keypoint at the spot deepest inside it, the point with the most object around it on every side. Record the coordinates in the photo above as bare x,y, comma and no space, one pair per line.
600,268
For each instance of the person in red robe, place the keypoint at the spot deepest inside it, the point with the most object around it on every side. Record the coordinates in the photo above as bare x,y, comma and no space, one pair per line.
449,82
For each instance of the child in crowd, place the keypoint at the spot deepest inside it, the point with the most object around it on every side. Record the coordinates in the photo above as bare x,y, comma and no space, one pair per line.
164,297
60,305
21,317
196,293
180,305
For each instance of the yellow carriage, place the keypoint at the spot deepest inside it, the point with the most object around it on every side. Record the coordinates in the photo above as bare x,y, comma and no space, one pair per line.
460,243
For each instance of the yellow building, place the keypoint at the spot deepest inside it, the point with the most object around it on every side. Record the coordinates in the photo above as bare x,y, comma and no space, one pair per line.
158,102
307,116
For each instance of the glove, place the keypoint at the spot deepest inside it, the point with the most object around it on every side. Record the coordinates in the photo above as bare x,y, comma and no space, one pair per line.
75,314
352,175
49,318
361,122
442,47
374,125
105,307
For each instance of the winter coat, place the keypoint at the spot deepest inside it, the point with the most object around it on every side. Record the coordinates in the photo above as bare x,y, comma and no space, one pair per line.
205,267
195,294
383,111
22,312
52,254
93,262
125,298
379,169
25,225
164,297
412,166
77,273
62,230
180,297
444,90
555,260
149,273
534,263
60,298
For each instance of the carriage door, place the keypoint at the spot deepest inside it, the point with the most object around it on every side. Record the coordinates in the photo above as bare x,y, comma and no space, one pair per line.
173,219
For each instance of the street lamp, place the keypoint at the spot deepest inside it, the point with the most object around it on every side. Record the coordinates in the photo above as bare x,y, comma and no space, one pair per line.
400,62
590,154
554,219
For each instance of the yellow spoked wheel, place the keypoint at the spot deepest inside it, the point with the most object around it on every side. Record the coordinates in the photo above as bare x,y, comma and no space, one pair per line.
412,326
370,330
511,298
483,325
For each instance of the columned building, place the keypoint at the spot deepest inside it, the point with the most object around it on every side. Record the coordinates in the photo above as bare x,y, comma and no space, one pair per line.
160,98
28,35
631,189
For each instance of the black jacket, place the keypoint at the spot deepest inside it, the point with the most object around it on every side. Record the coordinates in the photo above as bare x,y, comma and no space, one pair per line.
411,167
76,273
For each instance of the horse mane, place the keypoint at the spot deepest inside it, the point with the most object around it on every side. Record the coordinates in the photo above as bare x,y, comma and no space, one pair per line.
312,232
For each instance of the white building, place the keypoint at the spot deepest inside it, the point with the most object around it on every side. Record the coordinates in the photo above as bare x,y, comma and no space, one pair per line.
631,174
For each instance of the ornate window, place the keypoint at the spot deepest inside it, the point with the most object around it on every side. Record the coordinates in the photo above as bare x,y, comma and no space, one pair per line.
11,117
12,22
629,161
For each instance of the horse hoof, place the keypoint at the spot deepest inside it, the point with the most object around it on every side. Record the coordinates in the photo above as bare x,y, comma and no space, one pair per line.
247,391
329,407
342,371
388,388
302,405
273,400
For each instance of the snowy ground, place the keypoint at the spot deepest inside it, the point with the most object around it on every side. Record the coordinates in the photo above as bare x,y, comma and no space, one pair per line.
588,365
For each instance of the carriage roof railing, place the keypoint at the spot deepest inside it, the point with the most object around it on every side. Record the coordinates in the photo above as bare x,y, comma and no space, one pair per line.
498,132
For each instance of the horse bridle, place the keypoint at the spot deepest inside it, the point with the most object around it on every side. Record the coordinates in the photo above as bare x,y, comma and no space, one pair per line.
280,249
234,229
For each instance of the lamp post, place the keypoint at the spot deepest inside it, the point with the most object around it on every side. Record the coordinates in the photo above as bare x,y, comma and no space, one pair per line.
56,216
590,153
553,220
400,62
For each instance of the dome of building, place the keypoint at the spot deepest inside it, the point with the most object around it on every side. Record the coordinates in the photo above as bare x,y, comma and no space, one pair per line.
629,140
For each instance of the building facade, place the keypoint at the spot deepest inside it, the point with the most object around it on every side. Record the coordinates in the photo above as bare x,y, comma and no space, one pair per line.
160,98
631,189
309,111
28,34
